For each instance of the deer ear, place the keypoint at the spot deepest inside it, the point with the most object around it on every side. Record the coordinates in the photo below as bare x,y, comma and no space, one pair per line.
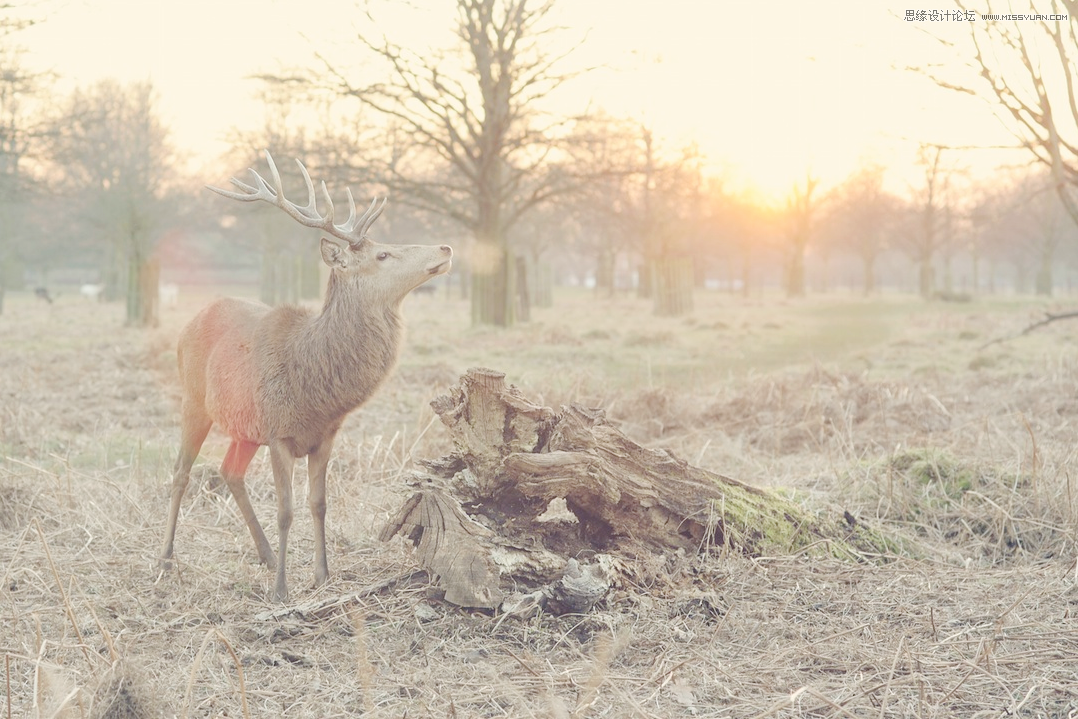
333,254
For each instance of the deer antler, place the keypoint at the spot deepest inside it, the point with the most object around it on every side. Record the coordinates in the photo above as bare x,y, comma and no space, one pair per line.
354,229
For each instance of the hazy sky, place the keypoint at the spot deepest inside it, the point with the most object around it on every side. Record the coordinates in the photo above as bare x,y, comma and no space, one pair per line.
768,91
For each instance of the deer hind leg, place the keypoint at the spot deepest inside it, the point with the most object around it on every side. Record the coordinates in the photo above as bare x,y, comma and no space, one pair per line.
284,463
196,425
233,469
317,463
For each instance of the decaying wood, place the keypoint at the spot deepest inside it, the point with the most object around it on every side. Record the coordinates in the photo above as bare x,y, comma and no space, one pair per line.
450,541
479,518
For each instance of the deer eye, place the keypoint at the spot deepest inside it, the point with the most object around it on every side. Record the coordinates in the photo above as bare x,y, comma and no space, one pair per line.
382,256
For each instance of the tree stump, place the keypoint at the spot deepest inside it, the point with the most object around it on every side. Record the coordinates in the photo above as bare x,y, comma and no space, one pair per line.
480,517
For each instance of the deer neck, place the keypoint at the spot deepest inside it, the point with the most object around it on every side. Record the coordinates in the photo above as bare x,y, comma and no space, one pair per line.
355,340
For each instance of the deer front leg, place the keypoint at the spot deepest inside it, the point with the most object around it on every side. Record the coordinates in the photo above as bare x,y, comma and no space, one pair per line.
283,464
196,425
233,469
317,463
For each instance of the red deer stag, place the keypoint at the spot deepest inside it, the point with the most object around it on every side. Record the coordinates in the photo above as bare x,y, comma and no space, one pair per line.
286,377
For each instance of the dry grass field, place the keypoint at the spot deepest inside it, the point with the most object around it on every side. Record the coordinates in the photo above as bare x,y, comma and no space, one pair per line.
885,408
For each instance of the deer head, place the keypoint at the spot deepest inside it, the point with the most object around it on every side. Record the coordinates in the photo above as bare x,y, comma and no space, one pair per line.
387,271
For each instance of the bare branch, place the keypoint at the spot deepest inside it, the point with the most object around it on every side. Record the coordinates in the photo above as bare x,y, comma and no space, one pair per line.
1049,318
1025,98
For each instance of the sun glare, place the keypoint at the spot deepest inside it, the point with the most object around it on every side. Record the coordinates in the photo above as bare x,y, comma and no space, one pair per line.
767,93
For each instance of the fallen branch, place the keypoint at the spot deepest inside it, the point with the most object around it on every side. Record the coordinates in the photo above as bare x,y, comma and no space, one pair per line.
1048,319
318,607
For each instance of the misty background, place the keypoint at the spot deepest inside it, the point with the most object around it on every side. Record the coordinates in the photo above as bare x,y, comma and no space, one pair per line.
705,148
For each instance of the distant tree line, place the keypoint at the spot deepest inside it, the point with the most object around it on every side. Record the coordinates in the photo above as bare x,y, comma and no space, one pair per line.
467,145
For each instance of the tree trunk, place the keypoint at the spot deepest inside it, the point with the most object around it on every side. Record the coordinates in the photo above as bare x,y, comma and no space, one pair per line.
795,273
5,274
604,274
644,280
465,281
543,284
113,278
869,263
480,517
143,292
267,278
926,277
821,280
672,286
1043,281
746,274
283,278
1021,278
14,270
288,264
493,298
524,300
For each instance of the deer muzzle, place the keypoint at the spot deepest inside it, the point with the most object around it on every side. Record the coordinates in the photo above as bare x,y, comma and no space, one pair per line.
446,264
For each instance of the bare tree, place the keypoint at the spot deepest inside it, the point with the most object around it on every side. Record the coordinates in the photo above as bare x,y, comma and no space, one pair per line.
1028,69
1049,227
1039,226
470,143
15,139
116,159
986,228
998,232
642,200
23,124
799,217
15,17
926,233
861,218
671,203
604,209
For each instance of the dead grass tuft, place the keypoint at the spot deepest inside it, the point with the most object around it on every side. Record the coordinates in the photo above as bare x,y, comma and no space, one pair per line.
560,335
649,414
16,507
983,511
663,338
124,693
